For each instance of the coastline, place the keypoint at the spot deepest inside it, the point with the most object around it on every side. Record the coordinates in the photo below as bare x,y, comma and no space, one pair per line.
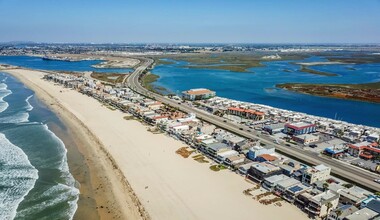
168,186
96,201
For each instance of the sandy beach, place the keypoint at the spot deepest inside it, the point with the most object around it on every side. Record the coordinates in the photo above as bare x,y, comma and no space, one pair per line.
127,160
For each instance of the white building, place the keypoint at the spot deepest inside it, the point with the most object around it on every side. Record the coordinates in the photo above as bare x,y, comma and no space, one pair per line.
198,94
316,173
256,151
306,138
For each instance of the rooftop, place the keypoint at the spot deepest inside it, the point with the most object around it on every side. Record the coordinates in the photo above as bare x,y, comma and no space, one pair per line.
265,167
268,157
299,125
288,182
325,197
199,91
276,178
361,214
298,188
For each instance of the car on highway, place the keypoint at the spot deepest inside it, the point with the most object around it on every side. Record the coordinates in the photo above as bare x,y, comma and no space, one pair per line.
249,130
241,129
225,121
288,145
377,180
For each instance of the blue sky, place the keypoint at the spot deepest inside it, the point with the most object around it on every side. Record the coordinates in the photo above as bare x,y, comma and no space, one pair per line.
198,21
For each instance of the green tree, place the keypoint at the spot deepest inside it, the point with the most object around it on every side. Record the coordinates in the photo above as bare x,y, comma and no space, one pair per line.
325,186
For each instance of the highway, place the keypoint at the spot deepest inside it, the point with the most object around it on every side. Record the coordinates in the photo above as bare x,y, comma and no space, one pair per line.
343,170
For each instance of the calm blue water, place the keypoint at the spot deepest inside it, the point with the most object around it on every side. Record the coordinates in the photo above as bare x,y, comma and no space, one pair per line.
259,87
39,63
35,182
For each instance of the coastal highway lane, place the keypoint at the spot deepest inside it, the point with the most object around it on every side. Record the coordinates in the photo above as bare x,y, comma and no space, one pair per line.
353,174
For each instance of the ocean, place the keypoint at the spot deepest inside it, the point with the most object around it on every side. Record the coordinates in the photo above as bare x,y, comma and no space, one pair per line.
35,182
259,86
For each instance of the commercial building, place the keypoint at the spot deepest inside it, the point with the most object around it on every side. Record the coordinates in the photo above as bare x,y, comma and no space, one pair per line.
365,150
299,128
246,113
316,173
306,139
198,94
274,128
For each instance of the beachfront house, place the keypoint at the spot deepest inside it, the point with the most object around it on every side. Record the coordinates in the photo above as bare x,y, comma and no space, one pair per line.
320,205
371,212
270,183
353,196
213,149
292,192
316,173
235,160
243,169
259,171
223,155
341,212
284,185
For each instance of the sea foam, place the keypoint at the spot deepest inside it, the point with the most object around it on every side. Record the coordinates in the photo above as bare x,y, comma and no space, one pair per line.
29,107
4,92
17,176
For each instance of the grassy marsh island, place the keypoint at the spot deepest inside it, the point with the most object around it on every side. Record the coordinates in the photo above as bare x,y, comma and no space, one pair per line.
148,80
306,69
236,62
108,77
369,92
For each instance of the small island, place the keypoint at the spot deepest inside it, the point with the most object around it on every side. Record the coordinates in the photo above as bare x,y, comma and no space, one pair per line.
369,92
306,69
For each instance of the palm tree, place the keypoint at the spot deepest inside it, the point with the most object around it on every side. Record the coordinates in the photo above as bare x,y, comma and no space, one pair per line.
338,212
329,205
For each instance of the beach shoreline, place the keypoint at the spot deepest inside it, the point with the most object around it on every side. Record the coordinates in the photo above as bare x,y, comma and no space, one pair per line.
96,201
160,182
